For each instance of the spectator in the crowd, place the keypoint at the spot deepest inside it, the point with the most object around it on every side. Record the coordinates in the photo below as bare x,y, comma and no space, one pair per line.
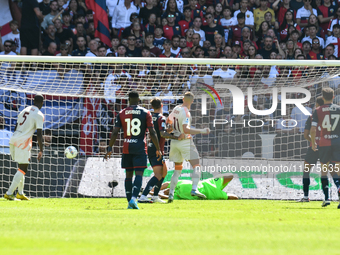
262,32
334,40
149,9
329,51
211,29
151,25
251,52
171,7
202,76
167,50
171,28
290,50
260,12
90,31
121,16
268,48
196,41
281,7
219,44
64,50
66,18
82,49
114,44
186,53
30,24
315,53
183,42
236,48
44,7
327,10
197,23
49,17
159,39
175,49
146,53
93,49
289,20
195,12
268,16
14,35
304,12
312,34
249,16
51,49
5,136
336,20
63,34
121,51
77,8
51,37
294,36
188,37
313,20
212,52
235,32
306,47
227,21
8,48
101,51
132,50
296,4
155,51
185,23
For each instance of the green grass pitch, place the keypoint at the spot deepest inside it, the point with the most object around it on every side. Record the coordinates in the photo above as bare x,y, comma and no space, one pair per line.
104,226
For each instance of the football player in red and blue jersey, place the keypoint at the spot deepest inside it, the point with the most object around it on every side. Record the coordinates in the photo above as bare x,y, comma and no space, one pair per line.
134,120
159,167
312,156
327,117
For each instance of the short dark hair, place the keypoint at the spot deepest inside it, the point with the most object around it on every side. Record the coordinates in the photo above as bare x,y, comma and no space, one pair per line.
175,36
327,93
336,26
241,15
167,41
312,25
38,98
133,94
120,45
156,103
9,41
149,34
319,101
187,8
146,48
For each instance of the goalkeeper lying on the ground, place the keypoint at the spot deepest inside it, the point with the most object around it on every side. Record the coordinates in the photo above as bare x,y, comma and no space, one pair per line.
212,188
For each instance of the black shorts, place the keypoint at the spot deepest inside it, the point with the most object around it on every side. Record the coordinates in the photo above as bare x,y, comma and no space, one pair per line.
330,153
131,161
311,156
154,161
30,38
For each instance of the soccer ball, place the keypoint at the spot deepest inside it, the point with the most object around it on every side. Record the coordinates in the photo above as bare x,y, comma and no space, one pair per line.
71,152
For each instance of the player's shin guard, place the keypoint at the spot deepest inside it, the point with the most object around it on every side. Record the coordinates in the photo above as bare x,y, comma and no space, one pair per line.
152,182
324,183
174,178
195,176
158,187
128,188
21,186
137,184
306,183
16,180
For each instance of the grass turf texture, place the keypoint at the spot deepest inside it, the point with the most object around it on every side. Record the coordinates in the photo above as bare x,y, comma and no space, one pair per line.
104,226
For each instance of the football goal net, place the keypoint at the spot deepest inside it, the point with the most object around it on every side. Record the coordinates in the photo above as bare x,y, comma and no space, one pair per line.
256,110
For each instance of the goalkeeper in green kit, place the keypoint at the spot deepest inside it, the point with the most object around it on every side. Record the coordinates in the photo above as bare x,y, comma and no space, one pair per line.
211,188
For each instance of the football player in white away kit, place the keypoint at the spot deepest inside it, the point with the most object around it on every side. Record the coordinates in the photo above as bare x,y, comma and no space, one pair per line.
180,120
29,120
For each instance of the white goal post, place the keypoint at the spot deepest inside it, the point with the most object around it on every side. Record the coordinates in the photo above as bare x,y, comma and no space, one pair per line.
258,137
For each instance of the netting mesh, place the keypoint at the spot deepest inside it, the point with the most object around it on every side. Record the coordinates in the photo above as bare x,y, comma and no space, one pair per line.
82,99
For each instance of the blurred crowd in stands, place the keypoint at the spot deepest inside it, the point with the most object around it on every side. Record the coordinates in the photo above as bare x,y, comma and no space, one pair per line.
253,29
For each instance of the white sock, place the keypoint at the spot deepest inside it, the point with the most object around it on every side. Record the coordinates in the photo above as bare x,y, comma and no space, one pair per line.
21,185
305,197
15,182
142,197
195,179
174,180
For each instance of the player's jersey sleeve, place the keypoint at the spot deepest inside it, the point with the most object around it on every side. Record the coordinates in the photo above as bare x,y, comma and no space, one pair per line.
308,123
315,118
213,189
118,122
39,124
149,122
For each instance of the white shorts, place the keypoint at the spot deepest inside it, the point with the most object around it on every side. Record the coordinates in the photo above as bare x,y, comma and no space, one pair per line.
19,155
184,149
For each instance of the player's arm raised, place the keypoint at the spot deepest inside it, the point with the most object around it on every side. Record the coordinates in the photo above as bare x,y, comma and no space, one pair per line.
154,139
113,139
195,131
40,143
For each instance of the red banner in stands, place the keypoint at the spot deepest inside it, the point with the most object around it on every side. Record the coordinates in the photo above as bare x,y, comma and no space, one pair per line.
100,20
